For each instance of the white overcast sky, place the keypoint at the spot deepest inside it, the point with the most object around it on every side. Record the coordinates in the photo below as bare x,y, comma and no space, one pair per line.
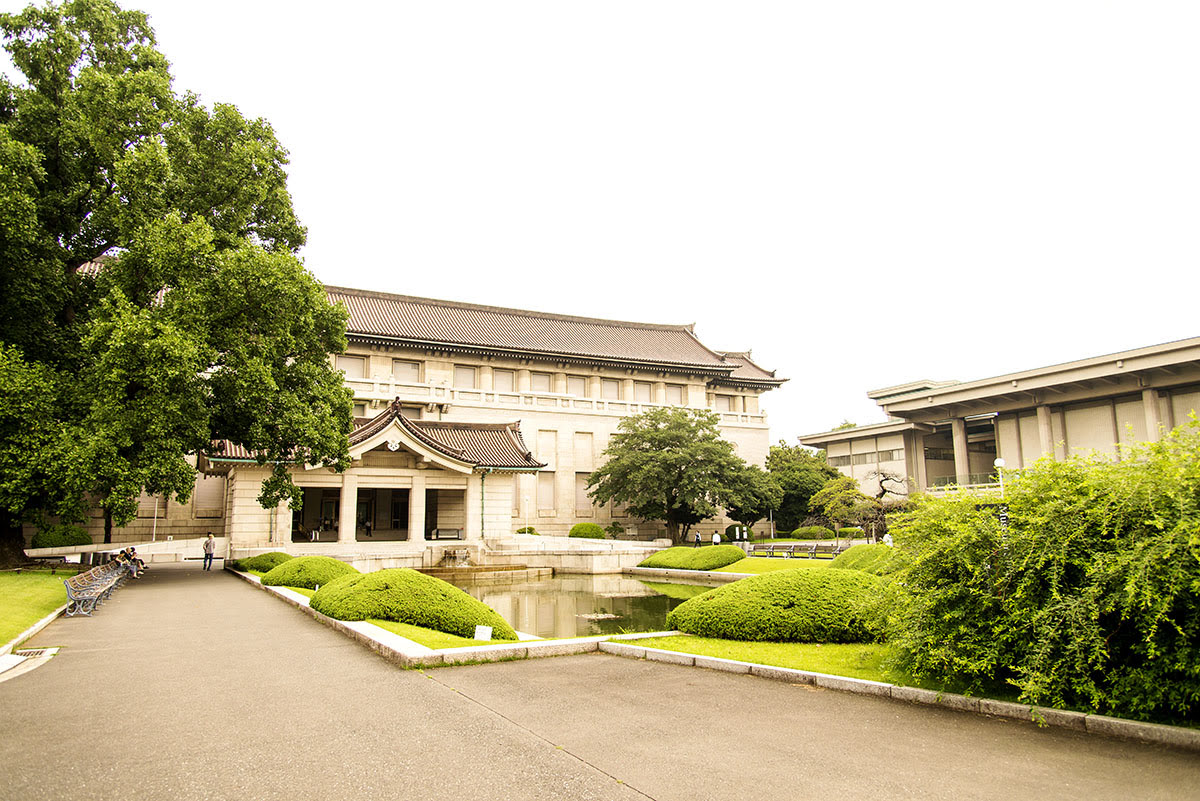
864,193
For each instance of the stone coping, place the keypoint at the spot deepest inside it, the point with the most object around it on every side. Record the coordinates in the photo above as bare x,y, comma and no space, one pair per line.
1175,736
8,647
406,653
674,573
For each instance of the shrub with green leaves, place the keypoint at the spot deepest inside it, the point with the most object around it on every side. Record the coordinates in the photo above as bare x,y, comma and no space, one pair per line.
706,557
588,531
408,596
785,606
731,533
877,559
812,533
263,562
1090,599
62,535
528,530
307,571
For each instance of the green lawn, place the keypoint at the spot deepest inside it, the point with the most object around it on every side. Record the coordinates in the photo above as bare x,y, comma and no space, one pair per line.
27,597
854,660
765,564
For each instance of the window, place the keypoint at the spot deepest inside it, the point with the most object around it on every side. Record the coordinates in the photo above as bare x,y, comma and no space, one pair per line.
675,394
352,366
504,381
891,456
939,454
724,403
610,389
464,377
838,461
360,410
408,372
642,392
584,450
152,506
864,458
208,499
582,502
539,382
577,385
545,490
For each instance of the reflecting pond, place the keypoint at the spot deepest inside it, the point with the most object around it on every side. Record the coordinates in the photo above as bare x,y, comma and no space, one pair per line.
583,605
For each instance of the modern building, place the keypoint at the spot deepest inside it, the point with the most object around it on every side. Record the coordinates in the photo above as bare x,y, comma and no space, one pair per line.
949,433
470,422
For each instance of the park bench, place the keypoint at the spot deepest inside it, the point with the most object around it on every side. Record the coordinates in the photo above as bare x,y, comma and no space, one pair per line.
446,534
86,590
816,549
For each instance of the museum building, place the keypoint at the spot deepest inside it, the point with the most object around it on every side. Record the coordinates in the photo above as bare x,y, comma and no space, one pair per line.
472,421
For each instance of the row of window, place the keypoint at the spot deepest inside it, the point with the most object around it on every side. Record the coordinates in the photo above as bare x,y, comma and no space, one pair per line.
867,458
547,495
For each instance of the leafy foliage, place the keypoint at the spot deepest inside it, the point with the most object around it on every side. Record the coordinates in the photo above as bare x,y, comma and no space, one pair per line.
812,533
589,531
799,473
60,536
668,464
527,530
150,297
263,562
842,502
307,571
1091,597
879,560
407,596
785,606
753,494
706,557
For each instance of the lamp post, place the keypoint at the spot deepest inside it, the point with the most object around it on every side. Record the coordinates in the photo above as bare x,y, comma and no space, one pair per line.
999,465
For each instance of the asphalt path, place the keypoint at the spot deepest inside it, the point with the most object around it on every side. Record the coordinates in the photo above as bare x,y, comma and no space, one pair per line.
194,685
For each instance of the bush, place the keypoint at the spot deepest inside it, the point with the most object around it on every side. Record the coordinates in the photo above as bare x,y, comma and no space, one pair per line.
307,571
263,562
731,528
707,557
614,528
528,530
1090,599
785,606
60,536
878,560
850,532
812,533
589,531
407,596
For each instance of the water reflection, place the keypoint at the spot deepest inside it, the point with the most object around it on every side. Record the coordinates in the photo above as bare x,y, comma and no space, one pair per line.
579,605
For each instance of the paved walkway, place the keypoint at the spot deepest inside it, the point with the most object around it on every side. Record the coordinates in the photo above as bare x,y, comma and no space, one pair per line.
195,685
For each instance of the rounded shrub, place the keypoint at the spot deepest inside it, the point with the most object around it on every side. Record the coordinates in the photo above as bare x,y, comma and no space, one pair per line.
60,536
730,533
263,562
812,533
408,596
528,530
707,557
588,531
785,606
877,559
849,531
307,571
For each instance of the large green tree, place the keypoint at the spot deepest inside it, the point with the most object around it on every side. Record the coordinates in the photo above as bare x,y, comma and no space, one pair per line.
150,297
754,495
668,464
800,474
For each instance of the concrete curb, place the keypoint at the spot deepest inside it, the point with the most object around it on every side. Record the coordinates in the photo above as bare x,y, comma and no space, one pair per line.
702,575
1174,736
32,630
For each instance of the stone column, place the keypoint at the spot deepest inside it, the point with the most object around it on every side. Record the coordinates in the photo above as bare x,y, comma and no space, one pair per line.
416,510
485,378
349,508
473,501
523,381
627,390
962,458
594,387
560,383
1153,414
660,393
1045,431
739,403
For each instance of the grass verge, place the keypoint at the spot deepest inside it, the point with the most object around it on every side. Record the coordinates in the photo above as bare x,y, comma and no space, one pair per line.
765,564
27,597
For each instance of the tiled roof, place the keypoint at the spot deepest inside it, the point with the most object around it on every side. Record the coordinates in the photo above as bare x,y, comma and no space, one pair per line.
749,372
482,444
426,321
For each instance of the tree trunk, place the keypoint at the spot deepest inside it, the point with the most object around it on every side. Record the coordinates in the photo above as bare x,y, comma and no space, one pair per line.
673,531
12,542
107,526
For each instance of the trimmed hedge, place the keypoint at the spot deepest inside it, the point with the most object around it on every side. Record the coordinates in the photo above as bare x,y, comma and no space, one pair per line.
528,530
307,571
848,531
728,535
785,606
588,531
706,557
407,596
263,562
879,560
60,536
812,533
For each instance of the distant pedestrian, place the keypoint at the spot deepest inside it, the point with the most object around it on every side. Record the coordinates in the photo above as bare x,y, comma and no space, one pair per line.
210,546
716,538
697,540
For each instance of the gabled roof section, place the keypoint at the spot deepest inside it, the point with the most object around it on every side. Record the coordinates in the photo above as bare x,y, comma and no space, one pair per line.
746,372
440,323
481,445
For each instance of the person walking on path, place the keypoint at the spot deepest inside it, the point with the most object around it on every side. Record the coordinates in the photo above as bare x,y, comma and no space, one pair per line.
697,540
210,545
716,538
